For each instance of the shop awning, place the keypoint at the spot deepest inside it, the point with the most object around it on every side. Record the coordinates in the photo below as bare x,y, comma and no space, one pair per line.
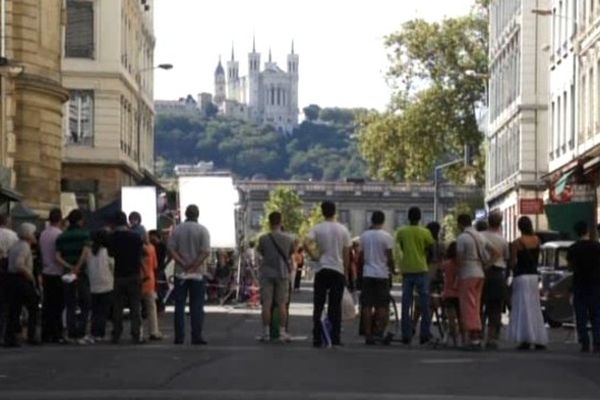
9,195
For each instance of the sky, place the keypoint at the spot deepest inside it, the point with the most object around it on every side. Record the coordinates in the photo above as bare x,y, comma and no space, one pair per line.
340,43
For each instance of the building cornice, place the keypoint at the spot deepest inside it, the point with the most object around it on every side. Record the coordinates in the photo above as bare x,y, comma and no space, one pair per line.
41,85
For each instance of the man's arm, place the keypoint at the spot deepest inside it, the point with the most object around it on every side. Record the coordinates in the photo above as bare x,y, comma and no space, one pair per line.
21,269
63,263
389,253
82,258
346,256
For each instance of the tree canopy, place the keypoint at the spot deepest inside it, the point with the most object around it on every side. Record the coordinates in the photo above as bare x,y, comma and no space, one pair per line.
438,75
323,147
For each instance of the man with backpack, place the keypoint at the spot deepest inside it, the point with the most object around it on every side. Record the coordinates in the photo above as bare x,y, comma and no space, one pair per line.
275,249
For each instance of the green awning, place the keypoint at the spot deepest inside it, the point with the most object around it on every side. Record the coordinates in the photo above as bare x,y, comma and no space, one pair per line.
560,185
562,217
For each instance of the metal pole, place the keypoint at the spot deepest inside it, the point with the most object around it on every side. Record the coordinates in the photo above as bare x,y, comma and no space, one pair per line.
3,82
435,194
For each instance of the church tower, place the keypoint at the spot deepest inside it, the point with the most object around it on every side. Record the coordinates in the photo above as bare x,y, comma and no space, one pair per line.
253,77
220,84
292,69
233,78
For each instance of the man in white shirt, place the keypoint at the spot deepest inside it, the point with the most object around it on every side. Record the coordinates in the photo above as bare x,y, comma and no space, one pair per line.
494,288
333,242
376,249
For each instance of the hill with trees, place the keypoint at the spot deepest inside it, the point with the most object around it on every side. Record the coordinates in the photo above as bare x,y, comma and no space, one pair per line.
323,147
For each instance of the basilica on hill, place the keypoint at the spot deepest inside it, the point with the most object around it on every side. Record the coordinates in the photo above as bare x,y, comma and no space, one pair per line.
267,95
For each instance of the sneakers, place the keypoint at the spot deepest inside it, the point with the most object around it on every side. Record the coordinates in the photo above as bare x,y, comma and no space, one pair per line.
285,337
265,337
156,338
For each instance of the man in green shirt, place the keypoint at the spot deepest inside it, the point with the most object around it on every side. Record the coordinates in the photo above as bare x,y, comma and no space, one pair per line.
414,241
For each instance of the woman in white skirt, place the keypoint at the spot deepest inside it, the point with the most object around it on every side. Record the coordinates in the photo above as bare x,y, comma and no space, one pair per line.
526,325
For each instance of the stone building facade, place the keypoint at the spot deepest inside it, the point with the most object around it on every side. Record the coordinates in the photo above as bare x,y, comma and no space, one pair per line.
108,68
356,201
518,99
32,102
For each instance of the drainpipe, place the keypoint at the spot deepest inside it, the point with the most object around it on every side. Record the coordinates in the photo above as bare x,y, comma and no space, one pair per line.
3,81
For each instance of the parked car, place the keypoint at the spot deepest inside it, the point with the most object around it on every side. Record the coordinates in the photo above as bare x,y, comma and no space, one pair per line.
555,283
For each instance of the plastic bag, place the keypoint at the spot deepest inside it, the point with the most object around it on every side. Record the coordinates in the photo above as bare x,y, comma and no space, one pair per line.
348,306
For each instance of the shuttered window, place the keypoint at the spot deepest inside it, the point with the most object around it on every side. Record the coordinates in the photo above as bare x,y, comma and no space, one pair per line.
80,129
79,40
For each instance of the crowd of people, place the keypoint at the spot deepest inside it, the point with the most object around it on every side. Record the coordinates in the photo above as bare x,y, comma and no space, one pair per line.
469,277
89,278
92,277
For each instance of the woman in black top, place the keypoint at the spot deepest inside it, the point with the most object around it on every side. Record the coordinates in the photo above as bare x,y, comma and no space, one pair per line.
526,321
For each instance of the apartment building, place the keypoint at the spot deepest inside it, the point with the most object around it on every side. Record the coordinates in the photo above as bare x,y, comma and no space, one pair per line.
518,101
108,67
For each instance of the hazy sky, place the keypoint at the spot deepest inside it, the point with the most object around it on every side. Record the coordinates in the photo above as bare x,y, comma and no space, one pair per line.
340,43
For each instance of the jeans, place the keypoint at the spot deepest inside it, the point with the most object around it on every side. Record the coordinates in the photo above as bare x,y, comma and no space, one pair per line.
77,303
197,293
21,293
586,301
101,303
494,295
128,292
326,282
52,308
421,282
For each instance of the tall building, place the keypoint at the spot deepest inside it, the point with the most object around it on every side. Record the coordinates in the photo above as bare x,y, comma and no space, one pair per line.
518,98
108,68
32,98
267,96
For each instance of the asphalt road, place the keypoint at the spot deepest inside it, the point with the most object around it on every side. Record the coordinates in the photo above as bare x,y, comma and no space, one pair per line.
235,366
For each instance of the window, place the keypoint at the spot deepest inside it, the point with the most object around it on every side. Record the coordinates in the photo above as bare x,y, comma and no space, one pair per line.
79,37
80,129
344,218
256,217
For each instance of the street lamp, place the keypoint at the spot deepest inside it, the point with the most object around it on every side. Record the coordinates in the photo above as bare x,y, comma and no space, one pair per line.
138,79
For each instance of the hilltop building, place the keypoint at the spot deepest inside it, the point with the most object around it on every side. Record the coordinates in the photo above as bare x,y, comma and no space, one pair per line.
267,96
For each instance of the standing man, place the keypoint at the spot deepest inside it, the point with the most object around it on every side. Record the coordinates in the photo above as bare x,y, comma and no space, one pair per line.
276,249
21,287
494,287
190,247
52,271
584,259
127,249
333,241
7,239
415,242
135,223
70,246
376,248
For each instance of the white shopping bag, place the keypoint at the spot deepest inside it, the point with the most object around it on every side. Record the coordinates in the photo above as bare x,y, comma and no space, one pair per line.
348,306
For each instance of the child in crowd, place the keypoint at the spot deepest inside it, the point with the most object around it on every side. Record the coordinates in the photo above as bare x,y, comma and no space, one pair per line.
450,293
100,269
149,289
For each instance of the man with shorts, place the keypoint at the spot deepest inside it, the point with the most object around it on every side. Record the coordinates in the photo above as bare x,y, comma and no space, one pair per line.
276,249
378,265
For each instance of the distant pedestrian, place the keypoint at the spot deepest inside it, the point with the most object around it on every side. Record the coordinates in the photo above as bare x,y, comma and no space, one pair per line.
21,288
52,271
332,241
415,242
298,259
584,260
162,259
526,324
471,249
135,224
376,248
127,248
149,290
189,245
70,253
7,238
100,269
276,249
450,299
494,288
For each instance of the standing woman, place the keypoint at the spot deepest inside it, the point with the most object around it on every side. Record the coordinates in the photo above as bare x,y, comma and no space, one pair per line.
526,325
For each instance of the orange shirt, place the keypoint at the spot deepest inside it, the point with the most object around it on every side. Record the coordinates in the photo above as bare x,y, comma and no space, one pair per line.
450,268
150,267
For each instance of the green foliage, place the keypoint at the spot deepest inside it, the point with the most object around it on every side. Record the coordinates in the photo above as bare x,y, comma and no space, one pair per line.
289,204
313,217
318,149
450,224
432,113
311,112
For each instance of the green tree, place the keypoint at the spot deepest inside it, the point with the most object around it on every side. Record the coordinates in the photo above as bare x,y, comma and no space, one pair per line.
311,112
432,113
289,204
312,218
